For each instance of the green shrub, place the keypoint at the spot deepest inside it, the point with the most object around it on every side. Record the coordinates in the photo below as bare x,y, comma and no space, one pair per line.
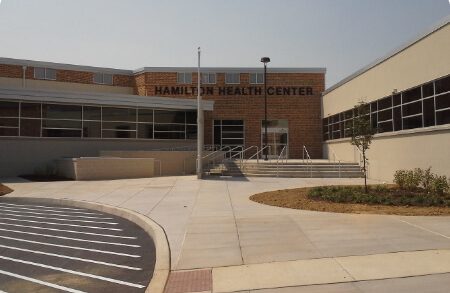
427,180
400,178
439,184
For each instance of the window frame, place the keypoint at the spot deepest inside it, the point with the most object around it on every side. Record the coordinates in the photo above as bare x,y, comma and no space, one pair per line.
46,73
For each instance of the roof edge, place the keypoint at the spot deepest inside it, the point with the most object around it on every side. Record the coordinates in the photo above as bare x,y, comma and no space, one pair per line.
234,69
391,54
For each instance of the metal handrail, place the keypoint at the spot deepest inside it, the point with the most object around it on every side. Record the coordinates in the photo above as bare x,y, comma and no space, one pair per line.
242,153
219,150
279,157
308,159
257,153
339,161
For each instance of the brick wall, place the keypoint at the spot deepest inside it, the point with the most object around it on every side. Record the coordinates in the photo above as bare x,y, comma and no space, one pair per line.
303,112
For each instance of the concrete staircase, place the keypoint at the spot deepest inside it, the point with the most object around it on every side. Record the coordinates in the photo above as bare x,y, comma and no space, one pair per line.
294,168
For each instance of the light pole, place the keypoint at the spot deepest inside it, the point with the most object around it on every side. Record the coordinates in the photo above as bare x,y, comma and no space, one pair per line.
265,60
199,123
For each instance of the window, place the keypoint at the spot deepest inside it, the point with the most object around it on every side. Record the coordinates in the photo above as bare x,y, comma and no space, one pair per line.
208,78
9,118
61,120
232,78
421,106
256,78
184,77
118,122
229,133
44,73
103,78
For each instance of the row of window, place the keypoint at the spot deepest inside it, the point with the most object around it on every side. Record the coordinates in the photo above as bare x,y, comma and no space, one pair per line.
31,119
50,74
422,106
210,78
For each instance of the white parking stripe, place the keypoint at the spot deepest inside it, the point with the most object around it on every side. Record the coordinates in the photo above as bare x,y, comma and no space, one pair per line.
73,272
60,224
9,210
66,289
69,238
40,209
72,257
71,247
58,219
68,231
44,207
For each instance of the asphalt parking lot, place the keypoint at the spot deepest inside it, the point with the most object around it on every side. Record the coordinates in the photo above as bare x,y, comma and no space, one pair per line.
54,248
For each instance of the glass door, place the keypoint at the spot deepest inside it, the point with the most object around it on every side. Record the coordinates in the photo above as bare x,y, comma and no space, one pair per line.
277,137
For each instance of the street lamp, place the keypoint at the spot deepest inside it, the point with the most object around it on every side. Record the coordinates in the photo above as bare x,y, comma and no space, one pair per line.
265,60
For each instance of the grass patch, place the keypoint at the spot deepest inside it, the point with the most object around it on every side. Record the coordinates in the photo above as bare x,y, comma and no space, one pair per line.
351,199
4,189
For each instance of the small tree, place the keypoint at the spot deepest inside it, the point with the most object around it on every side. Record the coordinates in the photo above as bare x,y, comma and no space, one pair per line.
362,134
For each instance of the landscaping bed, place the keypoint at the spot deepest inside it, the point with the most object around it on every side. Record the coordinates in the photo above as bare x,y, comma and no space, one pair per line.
4,189
390,200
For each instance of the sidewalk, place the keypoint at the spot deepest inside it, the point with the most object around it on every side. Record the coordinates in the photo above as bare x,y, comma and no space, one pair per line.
213,224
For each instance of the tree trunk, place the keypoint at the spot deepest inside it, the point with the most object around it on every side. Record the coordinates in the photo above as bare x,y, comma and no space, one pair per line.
365,171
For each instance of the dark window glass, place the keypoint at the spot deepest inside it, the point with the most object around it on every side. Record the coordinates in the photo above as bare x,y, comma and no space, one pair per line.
118,114
397,118
191,132
169,116
325,121
411,95
342,127
92,129
325,136
385,103
61,124
61,133
231,134
145,115
9,131
428,112
30,127
443,117
169,135
374,106
385,126
374,121
385,115
9,122
191,117
348,114
442,85
336,134
241,122
413,108
217,134
92,113
9,109
397,99
412,122
145,130
169,127
118,134
30,110
217,122
427,89
229,141
55,111
119,125
443,101
233,128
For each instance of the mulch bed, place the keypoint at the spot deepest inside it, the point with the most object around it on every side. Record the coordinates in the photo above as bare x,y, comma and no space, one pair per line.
298,199
4,190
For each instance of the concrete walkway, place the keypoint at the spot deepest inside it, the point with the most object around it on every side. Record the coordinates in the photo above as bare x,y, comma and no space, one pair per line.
213,224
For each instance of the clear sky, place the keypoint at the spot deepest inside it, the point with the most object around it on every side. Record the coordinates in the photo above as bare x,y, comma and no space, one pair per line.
341,35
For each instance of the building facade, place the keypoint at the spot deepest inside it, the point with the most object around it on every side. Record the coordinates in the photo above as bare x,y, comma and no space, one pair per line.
408,93
80,110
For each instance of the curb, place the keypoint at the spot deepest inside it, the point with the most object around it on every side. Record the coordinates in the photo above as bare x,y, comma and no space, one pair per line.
156,232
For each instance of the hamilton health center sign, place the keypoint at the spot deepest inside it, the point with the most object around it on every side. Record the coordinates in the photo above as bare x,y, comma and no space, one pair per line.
233,91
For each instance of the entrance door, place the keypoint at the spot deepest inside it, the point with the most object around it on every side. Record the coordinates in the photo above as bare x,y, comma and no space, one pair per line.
277,138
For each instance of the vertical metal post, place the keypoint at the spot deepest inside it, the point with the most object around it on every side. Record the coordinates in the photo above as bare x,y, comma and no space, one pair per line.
265,111
200,126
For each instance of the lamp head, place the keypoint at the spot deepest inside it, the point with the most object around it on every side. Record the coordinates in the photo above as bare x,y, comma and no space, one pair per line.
265,60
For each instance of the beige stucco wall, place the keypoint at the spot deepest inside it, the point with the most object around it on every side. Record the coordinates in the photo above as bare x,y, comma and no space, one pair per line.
426,60
389,152
64,86
102,168
23,155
